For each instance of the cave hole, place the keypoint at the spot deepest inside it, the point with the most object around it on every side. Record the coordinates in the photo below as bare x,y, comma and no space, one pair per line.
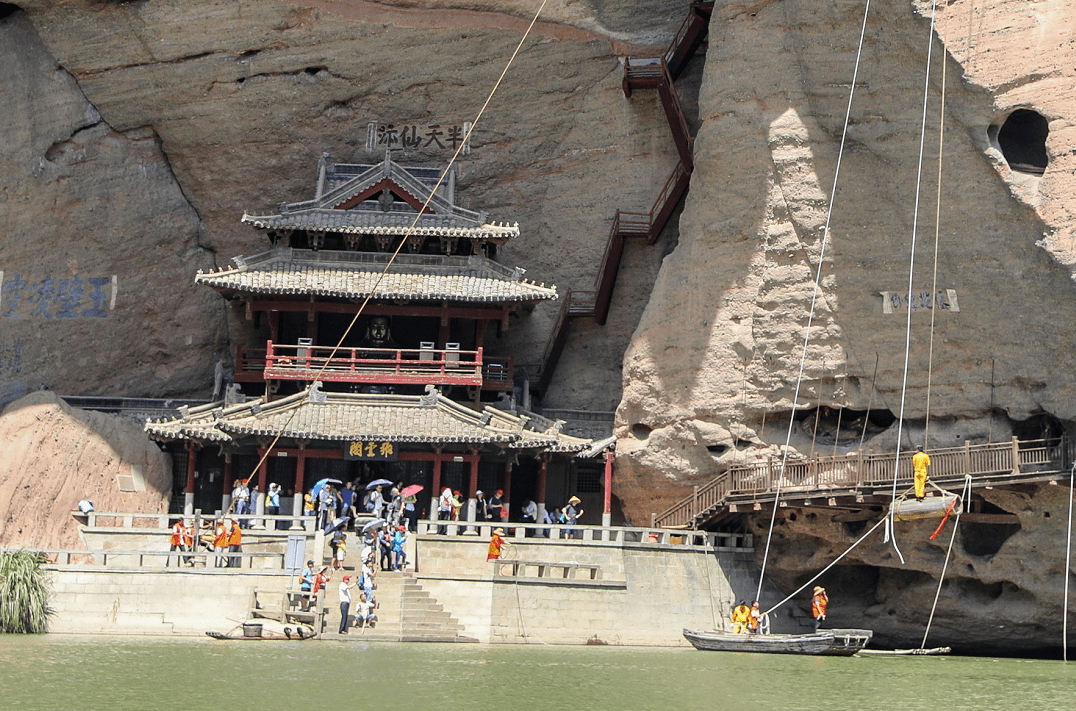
843,426
312,71
640,431
1038,430
7,9
716,449
1022,139
985,539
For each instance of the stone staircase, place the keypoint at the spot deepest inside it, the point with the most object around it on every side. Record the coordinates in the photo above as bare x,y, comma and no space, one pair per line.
406,613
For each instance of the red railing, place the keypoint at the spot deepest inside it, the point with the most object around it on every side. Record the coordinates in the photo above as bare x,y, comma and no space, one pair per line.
374,365
1013,460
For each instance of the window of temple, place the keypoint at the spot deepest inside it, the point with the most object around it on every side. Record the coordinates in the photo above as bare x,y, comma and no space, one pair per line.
1022,139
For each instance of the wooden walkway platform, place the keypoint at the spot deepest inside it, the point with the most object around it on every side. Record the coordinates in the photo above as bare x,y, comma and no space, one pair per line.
865,479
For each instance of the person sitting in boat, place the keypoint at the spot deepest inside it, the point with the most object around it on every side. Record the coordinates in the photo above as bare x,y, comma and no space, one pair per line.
741,618
819,602
920,463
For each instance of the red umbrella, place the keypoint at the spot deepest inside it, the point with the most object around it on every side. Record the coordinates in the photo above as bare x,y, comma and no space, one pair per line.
411,490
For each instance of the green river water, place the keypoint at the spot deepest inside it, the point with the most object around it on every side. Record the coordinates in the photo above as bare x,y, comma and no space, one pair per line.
56,672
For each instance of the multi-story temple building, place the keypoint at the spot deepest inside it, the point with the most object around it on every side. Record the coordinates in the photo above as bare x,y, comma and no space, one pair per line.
367,320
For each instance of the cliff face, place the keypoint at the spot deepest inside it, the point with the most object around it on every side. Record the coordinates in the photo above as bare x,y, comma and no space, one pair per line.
55,456
711,373
147,130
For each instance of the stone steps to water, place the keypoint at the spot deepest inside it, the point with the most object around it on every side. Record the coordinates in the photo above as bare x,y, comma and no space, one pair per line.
406,613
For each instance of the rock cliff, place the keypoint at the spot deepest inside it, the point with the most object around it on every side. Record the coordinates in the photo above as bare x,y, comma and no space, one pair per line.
55,456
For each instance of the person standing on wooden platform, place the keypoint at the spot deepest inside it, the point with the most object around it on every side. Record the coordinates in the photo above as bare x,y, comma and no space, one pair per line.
920,463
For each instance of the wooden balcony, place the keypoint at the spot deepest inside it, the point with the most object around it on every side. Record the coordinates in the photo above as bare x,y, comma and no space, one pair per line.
863,474
381,366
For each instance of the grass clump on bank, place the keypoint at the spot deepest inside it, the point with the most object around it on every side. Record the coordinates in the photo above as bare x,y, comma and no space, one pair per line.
24,593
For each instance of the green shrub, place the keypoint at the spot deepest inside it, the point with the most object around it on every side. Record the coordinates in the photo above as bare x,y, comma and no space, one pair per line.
24,593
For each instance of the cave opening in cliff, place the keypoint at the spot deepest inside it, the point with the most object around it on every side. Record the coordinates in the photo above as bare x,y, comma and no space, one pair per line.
843,426
7,9
1038,429
1022,139
986,539
640,431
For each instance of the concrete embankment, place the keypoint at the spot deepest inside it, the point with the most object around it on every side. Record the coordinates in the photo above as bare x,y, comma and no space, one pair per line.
615,587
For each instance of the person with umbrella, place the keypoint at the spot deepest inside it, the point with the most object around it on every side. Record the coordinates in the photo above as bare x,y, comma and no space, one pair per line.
377,501
410,512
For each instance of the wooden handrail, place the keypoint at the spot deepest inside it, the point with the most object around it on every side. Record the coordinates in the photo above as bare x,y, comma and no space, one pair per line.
867,470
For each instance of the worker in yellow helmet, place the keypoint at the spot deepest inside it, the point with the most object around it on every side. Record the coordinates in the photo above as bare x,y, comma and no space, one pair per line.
920,463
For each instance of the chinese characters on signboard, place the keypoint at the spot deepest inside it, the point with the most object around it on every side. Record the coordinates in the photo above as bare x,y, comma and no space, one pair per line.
47,299
898,302
380,136
371,451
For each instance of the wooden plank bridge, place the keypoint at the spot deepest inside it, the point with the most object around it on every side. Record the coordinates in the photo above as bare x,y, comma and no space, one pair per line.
865,479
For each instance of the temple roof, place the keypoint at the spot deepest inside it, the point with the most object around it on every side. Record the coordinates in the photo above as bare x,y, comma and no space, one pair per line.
383,199
320,416
354,274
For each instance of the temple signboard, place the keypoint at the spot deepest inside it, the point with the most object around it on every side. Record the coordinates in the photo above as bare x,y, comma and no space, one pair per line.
371,451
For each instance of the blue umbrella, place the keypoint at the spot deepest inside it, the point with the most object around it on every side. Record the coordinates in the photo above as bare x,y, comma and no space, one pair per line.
378,482
376,523
320,485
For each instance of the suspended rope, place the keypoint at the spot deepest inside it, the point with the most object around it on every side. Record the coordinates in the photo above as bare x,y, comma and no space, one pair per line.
911,275
937,240
964,497
826,569
814,299
399,247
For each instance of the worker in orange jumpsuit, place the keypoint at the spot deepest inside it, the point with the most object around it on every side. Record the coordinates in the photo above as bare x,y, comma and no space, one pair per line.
920,463
741,618
754,618
235,544
819,602
220,543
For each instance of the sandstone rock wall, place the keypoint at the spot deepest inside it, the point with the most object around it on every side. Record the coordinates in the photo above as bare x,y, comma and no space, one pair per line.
717,355
231,104
55,455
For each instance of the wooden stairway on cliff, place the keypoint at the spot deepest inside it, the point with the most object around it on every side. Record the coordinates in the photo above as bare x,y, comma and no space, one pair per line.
639,73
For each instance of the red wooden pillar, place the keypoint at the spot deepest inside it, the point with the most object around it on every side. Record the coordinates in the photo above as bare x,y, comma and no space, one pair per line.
263,470
436,486
507,486
188,488
472,487
192,461
300,470
539,495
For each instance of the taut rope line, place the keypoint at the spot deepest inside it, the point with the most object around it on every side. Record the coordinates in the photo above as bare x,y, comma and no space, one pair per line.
937,233
911,276
399,247
965,497
814,299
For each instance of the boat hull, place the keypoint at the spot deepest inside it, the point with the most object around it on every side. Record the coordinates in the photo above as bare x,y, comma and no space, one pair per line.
837,642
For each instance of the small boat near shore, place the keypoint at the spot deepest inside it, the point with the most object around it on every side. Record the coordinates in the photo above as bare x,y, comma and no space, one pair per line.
931,652
836,642
262,630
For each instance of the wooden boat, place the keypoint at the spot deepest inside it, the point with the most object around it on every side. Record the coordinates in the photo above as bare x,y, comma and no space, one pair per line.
261,630
931,652
836,642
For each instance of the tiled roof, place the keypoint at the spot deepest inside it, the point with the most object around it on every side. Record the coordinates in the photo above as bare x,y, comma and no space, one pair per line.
370,217
369,222
354,274
318,416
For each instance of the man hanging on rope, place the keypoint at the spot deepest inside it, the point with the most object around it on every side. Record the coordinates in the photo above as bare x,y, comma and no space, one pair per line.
819,602
920,463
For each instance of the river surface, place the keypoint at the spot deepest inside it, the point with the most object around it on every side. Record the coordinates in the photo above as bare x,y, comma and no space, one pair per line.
58,672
